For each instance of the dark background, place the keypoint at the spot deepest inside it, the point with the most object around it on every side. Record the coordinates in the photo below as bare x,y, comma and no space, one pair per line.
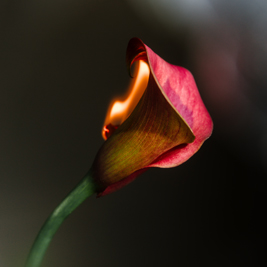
61,62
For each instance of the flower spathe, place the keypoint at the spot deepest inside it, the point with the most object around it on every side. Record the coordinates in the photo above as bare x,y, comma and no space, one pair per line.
168,125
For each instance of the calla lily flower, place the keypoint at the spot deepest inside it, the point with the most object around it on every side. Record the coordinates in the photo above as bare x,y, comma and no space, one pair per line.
167,126
164,122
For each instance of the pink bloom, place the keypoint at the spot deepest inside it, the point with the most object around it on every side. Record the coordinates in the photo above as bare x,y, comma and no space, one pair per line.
167,127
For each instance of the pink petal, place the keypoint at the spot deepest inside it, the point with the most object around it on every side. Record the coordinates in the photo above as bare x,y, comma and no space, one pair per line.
178,86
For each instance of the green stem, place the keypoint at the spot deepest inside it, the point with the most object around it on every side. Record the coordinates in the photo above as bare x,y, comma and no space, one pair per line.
82,191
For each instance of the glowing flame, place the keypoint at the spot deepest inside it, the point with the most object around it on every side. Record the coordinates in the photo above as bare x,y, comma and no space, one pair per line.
120,110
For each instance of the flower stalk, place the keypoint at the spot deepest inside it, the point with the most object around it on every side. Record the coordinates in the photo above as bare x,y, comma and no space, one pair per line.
82,191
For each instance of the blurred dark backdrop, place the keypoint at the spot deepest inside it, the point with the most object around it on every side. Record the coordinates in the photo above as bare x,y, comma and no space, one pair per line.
61,62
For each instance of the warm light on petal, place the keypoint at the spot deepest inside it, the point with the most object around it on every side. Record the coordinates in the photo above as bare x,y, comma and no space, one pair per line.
120,110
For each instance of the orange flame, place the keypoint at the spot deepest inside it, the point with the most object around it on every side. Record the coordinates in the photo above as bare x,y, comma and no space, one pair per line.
120,110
